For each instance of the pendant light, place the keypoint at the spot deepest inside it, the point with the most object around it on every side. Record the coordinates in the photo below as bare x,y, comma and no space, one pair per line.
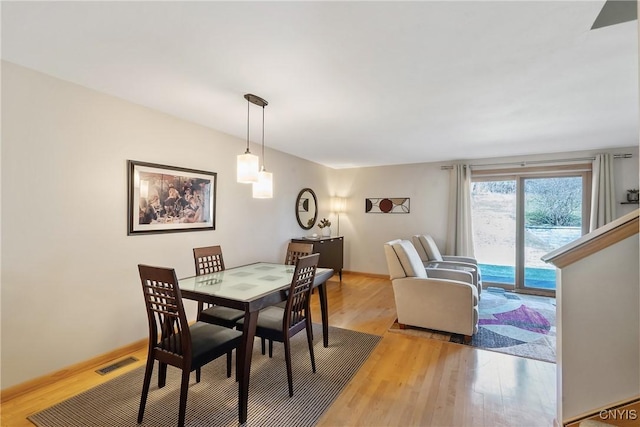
247,170
263,188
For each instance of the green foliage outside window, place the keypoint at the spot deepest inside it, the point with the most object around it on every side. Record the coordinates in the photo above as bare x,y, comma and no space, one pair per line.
553,202
550,202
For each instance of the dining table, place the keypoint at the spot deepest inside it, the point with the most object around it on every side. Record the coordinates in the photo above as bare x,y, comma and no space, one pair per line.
251,288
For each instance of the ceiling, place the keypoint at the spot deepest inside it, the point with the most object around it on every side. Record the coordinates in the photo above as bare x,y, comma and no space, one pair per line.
353,84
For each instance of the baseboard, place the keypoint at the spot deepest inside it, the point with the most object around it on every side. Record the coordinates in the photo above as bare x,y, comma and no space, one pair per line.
20,389
373,275
575,421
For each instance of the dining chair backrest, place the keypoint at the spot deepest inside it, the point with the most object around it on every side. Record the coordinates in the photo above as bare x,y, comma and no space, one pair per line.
297,308
208,259
169,335
296,250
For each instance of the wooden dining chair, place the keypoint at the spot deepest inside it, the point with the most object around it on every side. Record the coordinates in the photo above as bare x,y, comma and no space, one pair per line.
297,250
294,251
172,341
209,260
280,324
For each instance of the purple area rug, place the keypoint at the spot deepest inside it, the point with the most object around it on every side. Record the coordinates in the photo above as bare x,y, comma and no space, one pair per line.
516,324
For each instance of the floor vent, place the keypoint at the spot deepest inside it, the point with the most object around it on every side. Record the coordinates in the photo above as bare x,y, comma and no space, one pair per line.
117,365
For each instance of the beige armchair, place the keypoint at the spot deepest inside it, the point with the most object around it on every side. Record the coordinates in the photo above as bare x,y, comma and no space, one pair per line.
444,300
432,258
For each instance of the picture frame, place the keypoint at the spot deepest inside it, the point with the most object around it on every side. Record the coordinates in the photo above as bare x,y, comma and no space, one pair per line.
169,199
387,205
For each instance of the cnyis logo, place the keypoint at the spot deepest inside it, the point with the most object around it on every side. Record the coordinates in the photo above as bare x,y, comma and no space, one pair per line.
619,414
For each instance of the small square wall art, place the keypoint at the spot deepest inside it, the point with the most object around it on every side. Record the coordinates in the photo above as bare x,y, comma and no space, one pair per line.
394,205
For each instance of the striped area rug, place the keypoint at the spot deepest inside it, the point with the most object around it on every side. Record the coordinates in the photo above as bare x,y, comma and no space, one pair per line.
214,401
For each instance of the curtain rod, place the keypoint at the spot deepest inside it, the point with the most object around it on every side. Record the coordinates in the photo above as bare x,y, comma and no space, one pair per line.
541,162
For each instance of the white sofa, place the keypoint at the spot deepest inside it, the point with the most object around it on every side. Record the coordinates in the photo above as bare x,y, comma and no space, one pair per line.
444,300
432,258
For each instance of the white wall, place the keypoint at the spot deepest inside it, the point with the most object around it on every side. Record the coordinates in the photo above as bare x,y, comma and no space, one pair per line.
428,187
70,286
70,289
599,331
425,184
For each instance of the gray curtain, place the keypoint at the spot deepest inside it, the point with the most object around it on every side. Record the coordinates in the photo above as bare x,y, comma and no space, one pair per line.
603,201
460,230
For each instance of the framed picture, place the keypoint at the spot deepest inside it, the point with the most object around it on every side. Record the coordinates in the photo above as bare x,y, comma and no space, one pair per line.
393,205
167,199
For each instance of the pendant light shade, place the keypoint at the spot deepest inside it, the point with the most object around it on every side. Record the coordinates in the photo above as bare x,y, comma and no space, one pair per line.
247,165
247,168
263,189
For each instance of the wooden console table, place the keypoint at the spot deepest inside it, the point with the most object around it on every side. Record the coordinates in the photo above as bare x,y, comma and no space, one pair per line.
331,250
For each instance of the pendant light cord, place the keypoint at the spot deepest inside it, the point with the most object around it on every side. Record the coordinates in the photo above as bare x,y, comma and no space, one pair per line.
263,168
248,105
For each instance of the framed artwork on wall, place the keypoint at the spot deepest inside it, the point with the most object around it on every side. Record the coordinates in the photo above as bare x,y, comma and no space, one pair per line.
393,205
168,199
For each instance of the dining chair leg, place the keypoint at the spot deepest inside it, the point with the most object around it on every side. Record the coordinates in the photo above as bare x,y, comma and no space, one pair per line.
184,388
287,358
309,329
145,388
270,348
238,360
198,375
229,364
200,308
262,344
162,374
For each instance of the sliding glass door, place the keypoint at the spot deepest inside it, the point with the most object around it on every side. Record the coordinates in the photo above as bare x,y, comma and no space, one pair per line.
494,207
518,218
553,217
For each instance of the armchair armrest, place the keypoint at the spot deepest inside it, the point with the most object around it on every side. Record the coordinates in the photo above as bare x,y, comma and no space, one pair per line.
454,265
458,258
458,275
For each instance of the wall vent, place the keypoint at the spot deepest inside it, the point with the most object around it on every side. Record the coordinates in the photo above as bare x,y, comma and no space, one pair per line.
117,365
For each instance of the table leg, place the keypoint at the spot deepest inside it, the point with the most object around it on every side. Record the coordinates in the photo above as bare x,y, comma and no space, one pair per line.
325,314
244,353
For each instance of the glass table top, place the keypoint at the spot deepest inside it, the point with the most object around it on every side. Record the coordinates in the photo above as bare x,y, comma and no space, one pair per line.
244,283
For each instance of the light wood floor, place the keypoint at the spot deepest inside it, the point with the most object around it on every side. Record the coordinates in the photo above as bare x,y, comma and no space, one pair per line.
407,381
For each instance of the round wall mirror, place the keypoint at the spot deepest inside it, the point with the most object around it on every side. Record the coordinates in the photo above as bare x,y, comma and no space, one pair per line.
307,208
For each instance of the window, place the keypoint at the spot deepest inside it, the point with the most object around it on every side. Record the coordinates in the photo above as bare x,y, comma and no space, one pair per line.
520,215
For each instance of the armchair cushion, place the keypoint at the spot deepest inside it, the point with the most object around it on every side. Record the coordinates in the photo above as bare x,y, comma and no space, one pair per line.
395,268
433,253
409,258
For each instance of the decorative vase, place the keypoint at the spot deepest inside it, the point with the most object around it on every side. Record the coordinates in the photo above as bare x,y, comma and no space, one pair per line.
326,232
